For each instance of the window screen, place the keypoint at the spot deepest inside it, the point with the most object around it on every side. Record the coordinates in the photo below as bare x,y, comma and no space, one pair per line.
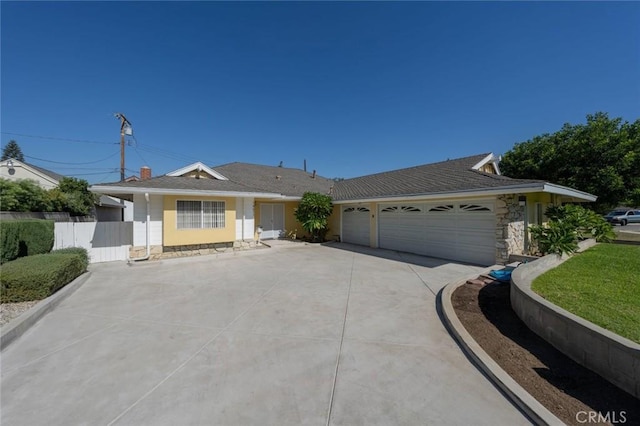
200,214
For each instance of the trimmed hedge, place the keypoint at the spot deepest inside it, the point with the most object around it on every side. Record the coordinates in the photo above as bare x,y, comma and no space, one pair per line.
19,238
9,240
39,276
78,251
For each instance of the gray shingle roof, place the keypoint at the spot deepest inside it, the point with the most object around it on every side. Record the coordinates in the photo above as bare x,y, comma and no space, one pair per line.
438,178
186,183
443,177
52,175
282,180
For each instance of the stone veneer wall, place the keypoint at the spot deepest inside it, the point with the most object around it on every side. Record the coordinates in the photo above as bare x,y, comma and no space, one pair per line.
164,252
509,227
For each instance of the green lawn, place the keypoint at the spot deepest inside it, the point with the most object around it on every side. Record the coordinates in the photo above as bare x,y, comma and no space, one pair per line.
601,285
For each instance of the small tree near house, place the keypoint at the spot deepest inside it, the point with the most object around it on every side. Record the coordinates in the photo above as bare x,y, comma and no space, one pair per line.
313,213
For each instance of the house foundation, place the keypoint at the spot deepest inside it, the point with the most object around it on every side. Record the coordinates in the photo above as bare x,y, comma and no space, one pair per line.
168,252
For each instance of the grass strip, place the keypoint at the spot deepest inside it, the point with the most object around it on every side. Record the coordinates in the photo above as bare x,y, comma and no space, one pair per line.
601,285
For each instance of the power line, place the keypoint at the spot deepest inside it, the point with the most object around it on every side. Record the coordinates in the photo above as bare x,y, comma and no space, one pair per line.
135,146
59,139
168,154
89,174
61,162
84,168
138,146
103,178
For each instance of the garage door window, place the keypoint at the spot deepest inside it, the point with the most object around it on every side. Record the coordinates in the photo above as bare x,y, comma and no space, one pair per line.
442,208
474,208
356,209
401,209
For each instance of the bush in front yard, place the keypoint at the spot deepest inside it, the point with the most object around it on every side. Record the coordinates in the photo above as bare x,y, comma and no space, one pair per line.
38,236
567,225
25,238
39,276
79,251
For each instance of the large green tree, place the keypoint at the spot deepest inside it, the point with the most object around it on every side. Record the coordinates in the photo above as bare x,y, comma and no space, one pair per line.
75,196
601,157
12,150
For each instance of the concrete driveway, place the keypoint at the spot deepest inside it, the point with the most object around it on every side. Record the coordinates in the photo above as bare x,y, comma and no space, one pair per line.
292,335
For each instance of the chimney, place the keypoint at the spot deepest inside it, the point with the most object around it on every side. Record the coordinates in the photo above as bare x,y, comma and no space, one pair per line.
314,175
305,165
145,173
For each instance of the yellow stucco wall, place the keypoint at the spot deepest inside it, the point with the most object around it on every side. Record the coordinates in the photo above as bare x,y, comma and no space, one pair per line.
172,236
544,199
334,223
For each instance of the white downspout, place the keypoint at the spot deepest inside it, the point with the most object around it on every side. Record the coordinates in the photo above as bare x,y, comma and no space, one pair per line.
148,254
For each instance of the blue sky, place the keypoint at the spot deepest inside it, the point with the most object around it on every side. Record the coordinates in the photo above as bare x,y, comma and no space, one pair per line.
352,87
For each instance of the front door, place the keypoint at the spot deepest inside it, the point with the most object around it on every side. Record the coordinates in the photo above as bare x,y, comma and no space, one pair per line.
272,220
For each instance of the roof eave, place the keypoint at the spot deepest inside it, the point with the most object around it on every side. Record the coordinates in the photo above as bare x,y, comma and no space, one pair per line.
511,189
563,190
104,189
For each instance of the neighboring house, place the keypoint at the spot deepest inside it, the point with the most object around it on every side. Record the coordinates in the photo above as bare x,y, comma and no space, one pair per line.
107,208
17,170
460,209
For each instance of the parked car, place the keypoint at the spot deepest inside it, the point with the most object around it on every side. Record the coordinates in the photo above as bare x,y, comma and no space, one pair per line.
622,217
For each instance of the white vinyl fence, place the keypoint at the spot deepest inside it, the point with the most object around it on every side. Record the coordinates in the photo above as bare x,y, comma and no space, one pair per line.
105,241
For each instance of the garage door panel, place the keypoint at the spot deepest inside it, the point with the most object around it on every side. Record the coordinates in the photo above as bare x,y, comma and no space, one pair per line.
475,254
355,225
463,231
404,227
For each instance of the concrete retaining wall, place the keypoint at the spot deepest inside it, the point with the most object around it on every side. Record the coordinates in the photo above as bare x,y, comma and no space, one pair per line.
613,357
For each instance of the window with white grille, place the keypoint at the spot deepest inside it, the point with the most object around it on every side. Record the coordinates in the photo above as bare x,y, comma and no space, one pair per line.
200,214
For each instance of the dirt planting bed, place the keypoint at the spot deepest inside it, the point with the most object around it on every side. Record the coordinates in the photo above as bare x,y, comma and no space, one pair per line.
564,387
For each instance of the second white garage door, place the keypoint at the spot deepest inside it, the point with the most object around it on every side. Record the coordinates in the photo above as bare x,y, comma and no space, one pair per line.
463,231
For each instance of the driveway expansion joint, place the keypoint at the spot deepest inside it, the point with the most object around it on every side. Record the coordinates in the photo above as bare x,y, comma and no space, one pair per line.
344,324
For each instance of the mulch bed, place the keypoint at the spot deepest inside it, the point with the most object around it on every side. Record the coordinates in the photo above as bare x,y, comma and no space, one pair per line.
564,387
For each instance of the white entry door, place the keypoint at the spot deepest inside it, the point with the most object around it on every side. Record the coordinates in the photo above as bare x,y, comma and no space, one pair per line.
272,220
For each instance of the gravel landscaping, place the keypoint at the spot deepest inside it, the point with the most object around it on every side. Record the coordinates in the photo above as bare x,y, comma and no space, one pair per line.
9,311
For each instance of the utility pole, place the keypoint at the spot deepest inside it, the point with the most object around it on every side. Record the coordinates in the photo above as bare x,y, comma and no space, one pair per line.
125,129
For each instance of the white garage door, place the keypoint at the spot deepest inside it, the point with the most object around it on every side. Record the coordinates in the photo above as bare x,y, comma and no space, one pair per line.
463,231
355,225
